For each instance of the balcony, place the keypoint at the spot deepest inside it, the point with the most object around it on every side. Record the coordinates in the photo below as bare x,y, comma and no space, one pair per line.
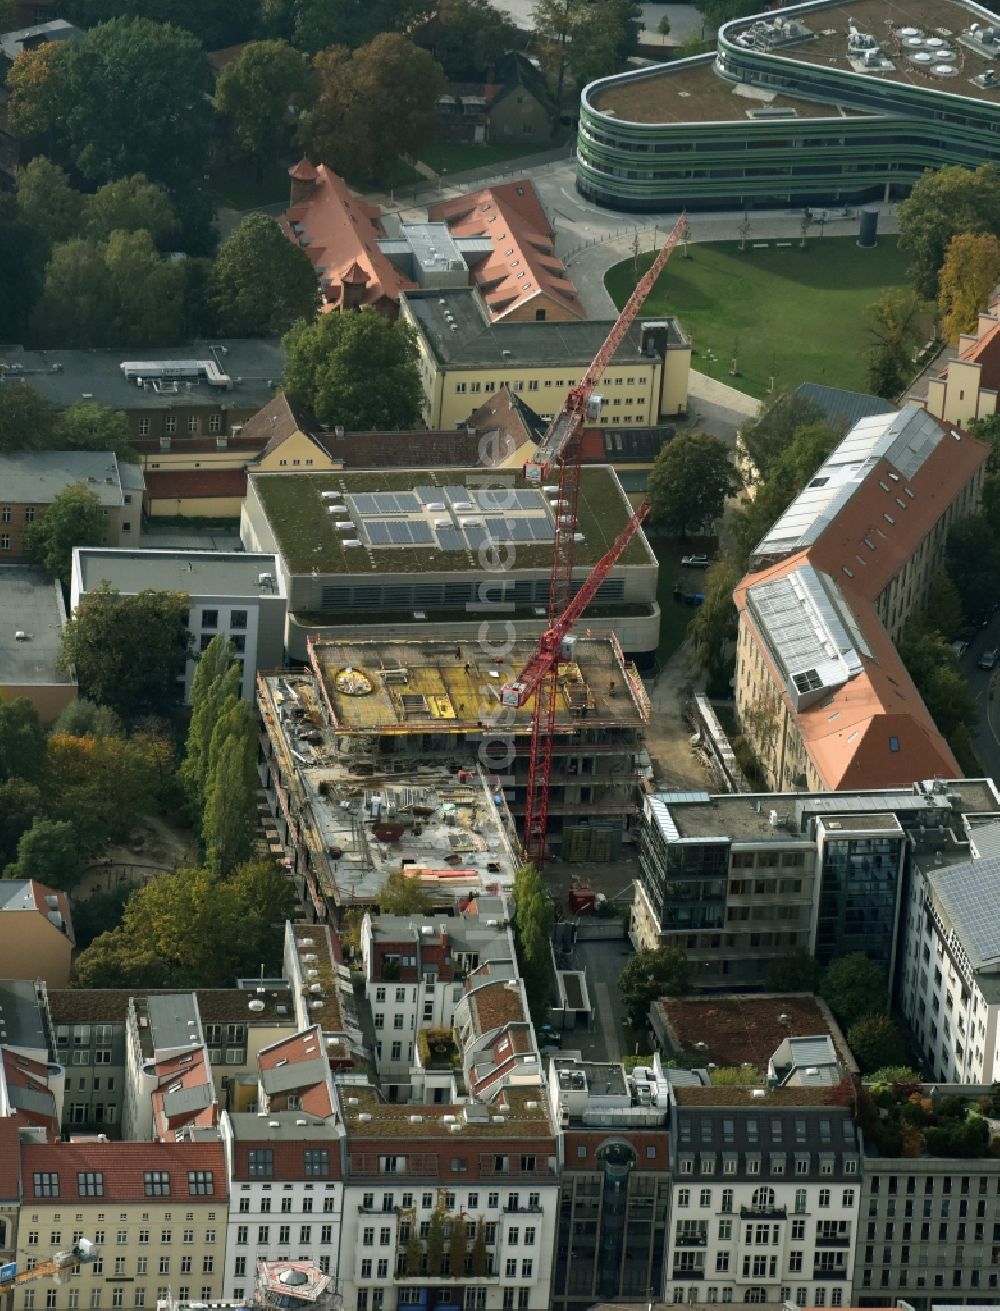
688,1274
691,1240
833,1240
764,1212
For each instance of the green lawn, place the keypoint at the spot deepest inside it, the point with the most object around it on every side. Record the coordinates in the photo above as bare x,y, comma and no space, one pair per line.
461,156
793,314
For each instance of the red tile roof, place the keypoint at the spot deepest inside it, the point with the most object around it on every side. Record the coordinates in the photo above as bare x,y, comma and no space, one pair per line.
122,1166
512,217
37,1105
985,351
10,1160
339,232
195,484
175,1074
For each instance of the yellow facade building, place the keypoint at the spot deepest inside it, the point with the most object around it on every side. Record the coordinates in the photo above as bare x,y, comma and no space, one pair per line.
968,386
464,357
155,1212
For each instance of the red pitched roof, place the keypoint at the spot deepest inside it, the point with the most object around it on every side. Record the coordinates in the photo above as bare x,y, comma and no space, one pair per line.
122,1166
339,232
512,217
195,484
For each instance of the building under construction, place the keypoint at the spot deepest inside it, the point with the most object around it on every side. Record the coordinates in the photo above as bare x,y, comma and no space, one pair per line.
401,756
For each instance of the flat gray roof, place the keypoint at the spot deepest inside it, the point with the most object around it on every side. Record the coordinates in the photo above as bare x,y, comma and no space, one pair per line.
24,39
20,1021
30,603
37,477
476,341
252,366
296,1126
199,573
170,1020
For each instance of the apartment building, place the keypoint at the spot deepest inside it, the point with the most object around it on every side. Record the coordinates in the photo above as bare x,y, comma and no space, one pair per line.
492,1169
950,984
966,387
821,693
31,644
615,1181
464,355
90,1025
31,480
766,1183
739,880
231,592
927,1223
36,932
156,1213
284,1160
396,553
416,973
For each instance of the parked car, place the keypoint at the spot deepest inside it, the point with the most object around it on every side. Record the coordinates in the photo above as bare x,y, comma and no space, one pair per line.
959,646
694,561
989,658
550,1036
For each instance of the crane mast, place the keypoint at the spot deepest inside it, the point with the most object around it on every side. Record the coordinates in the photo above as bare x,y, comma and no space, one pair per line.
560,447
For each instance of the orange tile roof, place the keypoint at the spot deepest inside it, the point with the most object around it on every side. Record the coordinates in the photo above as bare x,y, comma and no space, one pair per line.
188,1071
21,1074
512,217
339,232
985,351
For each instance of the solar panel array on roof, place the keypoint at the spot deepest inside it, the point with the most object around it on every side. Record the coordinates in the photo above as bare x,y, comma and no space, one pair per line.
450,539
503,499
398,532
968,896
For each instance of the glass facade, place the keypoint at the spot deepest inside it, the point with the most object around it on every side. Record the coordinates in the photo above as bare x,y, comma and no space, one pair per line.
858,897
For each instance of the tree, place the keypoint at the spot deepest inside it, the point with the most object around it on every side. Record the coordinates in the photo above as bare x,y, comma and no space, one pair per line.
102,785
401,895
27,419
230,818
480,1255
132,204
120,292
255,93
49,205
22,741
592,40
972,558
216,23
47,853
943,608
458,1248
35,89
663,26
933,666
473,38
650,974
190,930
969,273
74,518
942,205
851,985
713,629
20,803
215,686
435,1244
372,106
875,1042
20,271
357,370
133,96
83,718
414,1251
534,918
795,973
689,482
261,283
89,427
129,651
894,325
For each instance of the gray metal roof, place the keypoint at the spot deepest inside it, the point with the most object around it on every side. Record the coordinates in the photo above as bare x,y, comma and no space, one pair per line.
37,477
253,367
809,632
20,1016
297,1126
968,896
986,839
30,603
842,406
298,1074
170,1020
186,1100
24,39
470,340
905,439
198,573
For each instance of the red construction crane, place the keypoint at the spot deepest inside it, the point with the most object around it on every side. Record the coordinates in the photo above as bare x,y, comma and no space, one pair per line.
561,446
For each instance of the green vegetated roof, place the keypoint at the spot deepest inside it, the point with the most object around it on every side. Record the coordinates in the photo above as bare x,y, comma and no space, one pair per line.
307,536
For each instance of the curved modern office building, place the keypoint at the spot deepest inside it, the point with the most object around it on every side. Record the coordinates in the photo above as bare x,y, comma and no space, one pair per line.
835,101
